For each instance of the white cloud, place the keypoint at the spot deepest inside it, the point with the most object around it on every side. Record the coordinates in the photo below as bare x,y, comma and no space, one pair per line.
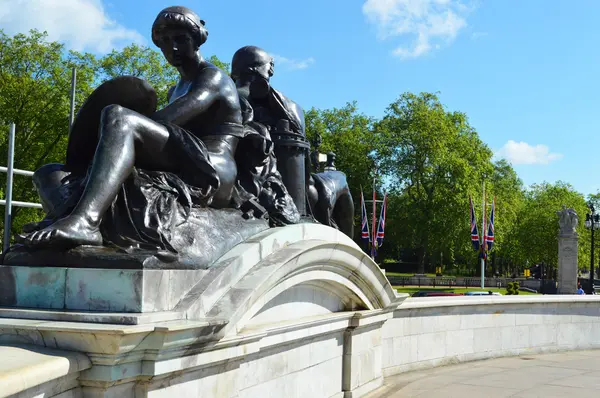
429,22
80,24
523,153
293,63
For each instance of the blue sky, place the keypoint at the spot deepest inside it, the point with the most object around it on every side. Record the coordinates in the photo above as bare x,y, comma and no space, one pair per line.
525,72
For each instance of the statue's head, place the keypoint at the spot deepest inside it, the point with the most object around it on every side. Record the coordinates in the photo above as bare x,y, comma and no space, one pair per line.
317,140
179,33
250,62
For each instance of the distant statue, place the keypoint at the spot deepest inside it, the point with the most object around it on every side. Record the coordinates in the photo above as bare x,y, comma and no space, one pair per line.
568,221
314,154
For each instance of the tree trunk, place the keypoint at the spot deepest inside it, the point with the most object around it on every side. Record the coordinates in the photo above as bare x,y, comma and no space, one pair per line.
422,257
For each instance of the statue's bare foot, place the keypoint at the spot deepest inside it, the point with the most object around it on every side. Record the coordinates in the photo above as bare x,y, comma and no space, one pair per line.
65,233
36,226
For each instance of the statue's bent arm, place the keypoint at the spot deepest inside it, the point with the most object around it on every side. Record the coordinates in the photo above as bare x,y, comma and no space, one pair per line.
203,93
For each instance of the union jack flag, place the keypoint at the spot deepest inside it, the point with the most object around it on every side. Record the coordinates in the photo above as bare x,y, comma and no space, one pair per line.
474,232
381,225
489,238
364,233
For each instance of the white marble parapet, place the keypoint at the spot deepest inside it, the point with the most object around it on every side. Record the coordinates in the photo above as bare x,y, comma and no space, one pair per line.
335,354
39,371
453,301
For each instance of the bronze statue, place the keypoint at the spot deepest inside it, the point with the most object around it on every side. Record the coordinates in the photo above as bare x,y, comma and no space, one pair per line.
314,154
251,69
326,195
203,115
221,162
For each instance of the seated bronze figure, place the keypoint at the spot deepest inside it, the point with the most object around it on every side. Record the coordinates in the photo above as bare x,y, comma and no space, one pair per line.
195,136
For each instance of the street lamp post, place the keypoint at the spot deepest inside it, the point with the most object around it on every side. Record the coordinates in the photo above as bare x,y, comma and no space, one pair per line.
592,221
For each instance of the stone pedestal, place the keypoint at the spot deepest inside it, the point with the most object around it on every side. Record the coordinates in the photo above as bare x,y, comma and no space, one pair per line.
294,311
567,264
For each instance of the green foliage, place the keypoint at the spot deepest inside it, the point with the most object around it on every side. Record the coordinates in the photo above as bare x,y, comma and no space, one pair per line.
536,226
512,288
35,79
139,61
348,133
435,160
220,64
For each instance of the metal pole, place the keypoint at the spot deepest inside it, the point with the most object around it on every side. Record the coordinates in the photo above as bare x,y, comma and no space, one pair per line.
73,85
591,287
9,186
374,226
483,235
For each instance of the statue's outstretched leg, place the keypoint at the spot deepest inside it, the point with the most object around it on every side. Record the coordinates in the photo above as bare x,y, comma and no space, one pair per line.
127,139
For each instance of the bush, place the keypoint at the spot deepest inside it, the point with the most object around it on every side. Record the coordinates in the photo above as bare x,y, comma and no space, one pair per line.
512,288
509,288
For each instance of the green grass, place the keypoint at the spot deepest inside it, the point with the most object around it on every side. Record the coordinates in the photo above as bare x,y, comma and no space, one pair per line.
406,274
412,289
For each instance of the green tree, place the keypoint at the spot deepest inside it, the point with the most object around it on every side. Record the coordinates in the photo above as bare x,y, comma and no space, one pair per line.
434,160
536,227
507,188
35,79
142,62
220,64
348,133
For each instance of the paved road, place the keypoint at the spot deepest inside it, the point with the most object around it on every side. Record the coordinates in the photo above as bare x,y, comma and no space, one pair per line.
570,374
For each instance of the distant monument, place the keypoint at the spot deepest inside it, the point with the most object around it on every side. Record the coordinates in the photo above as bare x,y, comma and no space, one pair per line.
567,251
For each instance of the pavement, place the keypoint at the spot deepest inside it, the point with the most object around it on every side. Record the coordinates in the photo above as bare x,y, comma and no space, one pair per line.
566,374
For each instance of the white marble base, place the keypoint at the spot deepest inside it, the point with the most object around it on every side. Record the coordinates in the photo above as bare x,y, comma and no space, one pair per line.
28,371
295,258
338,354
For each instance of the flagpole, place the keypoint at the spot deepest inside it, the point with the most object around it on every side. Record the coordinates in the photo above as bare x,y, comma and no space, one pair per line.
374,226
483,236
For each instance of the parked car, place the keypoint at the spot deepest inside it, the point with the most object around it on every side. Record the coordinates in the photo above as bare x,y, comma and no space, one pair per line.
434,294
483,294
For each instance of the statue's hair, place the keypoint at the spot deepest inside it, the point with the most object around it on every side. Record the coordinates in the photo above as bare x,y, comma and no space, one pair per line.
246,59
181,17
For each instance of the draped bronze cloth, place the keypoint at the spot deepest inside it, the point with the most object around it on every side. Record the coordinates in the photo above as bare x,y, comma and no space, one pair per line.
151,204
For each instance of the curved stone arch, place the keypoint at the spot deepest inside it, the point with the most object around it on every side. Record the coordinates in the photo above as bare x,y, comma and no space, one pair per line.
350,297
278,246
331,266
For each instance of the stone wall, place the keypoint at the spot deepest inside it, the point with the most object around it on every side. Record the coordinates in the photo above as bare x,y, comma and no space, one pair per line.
344,354
428,332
